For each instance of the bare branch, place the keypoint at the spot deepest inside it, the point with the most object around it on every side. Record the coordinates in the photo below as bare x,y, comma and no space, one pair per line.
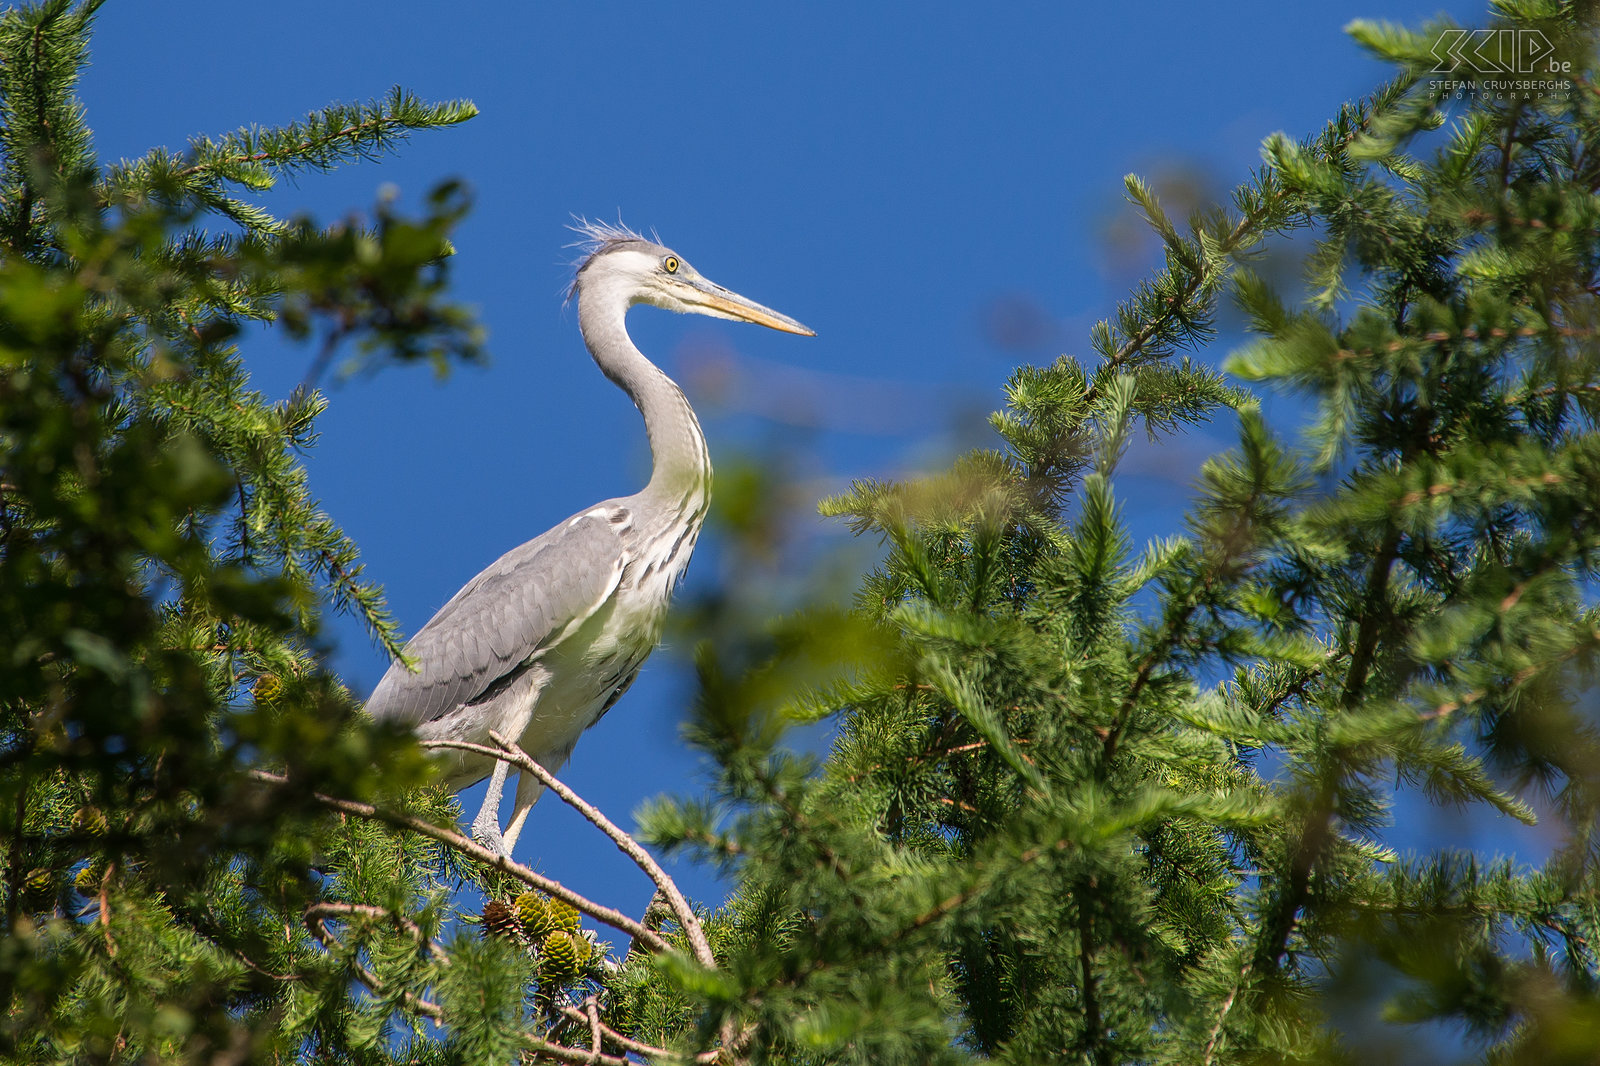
562,1053
1222,1015
315,924
593,1013
382,914
590,1018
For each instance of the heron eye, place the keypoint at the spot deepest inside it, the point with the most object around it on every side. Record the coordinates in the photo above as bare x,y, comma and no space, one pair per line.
670,264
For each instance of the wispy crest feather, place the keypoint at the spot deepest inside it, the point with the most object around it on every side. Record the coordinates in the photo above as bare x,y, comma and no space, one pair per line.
597,237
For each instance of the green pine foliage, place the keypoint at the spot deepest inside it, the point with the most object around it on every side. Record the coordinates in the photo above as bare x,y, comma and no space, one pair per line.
1085,801
1102,804
162,566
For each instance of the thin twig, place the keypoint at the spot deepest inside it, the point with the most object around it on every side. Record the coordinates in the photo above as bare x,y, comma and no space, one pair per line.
1222,1015
324,357
630,847
627,1044
655,912
562,1053
105,909
470,848
323,935
365,910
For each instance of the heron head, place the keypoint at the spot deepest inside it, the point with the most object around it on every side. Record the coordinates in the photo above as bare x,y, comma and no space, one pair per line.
643,271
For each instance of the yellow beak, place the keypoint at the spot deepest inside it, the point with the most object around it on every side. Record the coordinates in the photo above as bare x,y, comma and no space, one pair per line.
713,299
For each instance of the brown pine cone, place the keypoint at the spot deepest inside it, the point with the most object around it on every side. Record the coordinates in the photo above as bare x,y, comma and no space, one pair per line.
500,918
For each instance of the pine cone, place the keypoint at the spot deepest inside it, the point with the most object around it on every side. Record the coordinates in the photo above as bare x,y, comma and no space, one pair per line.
558,957
534,913
39,882
563,916
87,880
90,820
500,918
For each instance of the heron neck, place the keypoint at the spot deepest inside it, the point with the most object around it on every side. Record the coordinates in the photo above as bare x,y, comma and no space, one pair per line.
680,461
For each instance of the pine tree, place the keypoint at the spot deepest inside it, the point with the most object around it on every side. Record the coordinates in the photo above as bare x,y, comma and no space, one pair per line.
1085,802
1095,805
161,560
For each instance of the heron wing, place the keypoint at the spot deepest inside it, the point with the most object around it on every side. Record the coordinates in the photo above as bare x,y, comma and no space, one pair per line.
503,617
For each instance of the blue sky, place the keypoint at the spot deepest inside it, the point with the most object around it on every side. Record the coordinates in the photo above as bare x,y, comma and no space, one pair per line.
899,177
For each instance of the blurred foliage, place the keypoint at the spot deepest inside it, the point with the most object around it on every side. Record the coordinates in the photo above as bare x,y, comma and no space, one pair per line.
1085,802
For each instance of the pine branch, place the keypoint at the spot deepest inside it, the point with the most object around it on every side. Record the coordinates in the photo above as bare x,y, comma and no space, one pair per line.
1093,1026
1171,297
315,921
322,140
254,158
43,136
1278,925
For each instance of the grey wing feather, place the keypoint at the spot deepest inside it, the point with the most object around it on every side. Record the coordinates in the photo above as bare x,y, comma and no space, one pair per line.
502,617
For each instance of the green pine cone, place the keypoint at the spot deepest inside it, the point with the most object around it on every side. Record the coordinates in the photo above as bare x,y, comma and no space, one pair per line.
267,688
90,820
87,880
563,916
558,956
39,881
534,912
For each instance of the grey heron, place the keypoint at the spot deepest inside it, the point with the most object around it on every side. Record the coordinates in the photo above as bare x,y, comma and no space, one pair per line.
541,643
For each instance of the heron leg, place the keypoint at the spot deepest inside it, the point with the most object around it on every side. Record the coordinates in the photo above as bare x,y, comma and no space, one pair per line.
528,790
517,704
486,827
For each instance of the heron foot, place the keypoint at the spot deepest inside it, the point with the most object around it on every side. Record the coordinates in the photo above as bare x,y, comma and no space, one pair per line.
488,835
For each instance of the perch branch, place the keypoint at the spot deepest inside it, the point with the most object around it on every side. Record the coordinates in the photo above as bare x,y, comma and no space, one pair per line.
630,847
472,849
